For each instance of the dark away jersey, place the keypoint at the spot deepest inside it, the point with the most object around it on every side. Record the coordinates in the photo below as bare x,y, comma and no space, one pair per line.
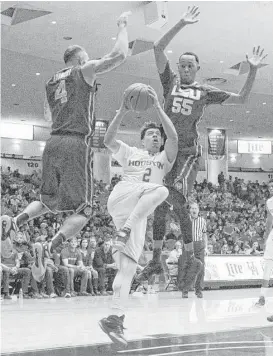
185,105
71,101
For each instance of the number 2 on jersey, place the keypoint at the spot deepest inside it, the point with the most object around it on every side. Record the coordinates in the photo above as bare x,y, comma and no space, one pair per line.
61,92
182,105
147,175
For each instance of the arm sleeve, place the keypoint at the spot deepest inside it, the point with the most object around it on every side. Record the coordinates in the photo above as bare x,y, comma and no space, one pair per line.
216,96
123,153
167,78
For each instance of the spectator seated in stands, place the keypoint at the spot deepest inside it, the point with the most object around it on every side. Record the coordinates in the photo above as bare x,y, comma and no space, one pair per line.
254,250
225,250
236,204
71,259
104,263
210,249
172,260
51,262
87,258
11,267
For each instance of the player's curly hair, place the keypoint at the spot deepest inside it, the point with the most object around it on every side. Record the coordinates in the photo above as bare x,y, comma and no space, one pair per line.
151,125
71,52
189,54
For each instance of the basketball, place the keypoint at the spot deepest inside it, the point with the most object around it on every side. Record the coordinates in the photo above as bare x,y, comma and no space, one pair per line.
137,97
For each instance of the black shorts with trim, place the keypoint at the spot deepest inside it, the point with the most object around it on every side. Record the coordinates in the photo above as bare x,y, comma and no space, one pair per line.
67,179
183,173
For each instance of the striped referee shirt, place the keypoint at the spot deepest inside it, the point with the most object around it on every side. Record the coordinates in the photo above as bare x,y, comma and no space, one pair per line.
199,227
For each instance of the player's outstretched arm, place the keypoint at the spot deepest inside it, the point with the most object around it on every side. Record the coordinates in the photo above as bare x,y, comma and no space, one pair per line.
254,63
171,144
110,136
188,18
112,59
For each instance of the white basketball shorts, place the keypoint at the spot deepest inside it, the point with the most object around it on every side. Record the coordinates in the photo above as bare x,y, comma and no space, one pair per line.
121,203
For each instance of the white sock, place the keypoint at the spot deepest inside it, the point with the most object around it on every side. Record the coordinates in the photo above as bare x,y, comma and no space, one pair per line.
263,292
122,283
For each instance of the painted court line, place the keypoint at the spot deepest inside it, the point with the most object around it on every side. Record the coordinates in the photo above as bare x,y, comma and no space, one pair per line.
196,344
214,349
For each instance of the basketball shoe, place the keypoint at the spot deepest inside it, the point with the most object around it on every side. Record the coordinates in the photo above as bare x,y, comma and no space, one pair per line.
261,302
151,269
8,224
57,240
113,327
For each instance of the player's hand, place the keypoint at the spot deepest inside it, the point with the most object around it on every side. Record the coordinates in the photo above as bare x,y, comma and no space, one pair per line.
123,19
153,95
256,60
206,252
190,16
123,106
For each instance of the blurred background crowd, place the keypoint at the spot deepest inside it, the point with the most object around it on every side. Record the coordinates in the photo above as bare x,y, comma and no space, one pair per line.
234,211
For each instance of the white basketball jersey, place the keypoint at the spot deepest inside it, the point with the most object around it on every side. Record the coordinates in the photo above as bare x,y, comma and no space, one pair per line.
268,254
269,205
139,166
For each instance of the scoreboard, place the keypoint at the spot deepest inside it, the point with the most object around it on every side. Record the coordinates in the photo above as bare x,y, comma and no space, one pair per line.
97,138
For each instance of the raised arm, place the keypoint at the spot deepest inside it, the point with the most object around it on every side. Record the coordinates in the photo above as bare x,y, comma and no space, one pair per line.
110,136
188,18
112,59
171,144
255,63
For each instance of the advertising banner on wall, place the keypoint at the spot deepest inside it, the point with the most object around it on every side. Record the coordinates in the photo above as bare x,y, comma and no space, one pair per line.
234,268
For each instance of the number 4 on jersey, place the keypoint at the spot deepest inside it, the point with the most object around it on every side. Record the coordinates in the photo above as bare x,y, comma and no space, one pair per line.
61,92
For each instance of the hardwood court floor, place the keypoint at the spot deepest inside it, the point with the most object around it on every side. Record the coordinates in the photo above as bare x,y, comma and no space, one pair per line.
223,323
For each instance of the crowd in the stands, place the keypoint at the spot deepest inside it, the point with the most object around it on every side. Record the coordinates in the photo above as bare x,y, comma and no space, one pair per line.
234,209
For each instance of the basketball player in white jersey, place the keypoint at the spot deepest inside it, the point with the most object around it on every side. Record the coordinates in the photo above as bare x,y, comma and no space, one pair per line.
133,199
268,254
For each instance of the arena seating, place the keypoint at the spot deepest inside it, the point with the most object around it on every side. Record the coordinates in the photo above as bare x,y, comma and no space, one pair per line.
235,214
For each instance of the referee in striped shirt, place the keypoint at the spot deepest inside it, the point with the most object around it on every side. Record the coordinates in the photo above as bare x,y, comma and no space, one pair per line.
200,244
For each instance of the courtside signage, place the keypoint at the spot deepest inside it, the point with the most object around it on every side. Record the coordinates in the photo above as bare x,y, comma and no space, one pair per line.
234,268
255,147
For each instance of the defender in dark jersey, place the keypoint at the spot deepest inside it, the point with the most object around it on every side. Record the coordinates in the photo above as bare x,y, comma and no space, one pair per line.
67,183
185,102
